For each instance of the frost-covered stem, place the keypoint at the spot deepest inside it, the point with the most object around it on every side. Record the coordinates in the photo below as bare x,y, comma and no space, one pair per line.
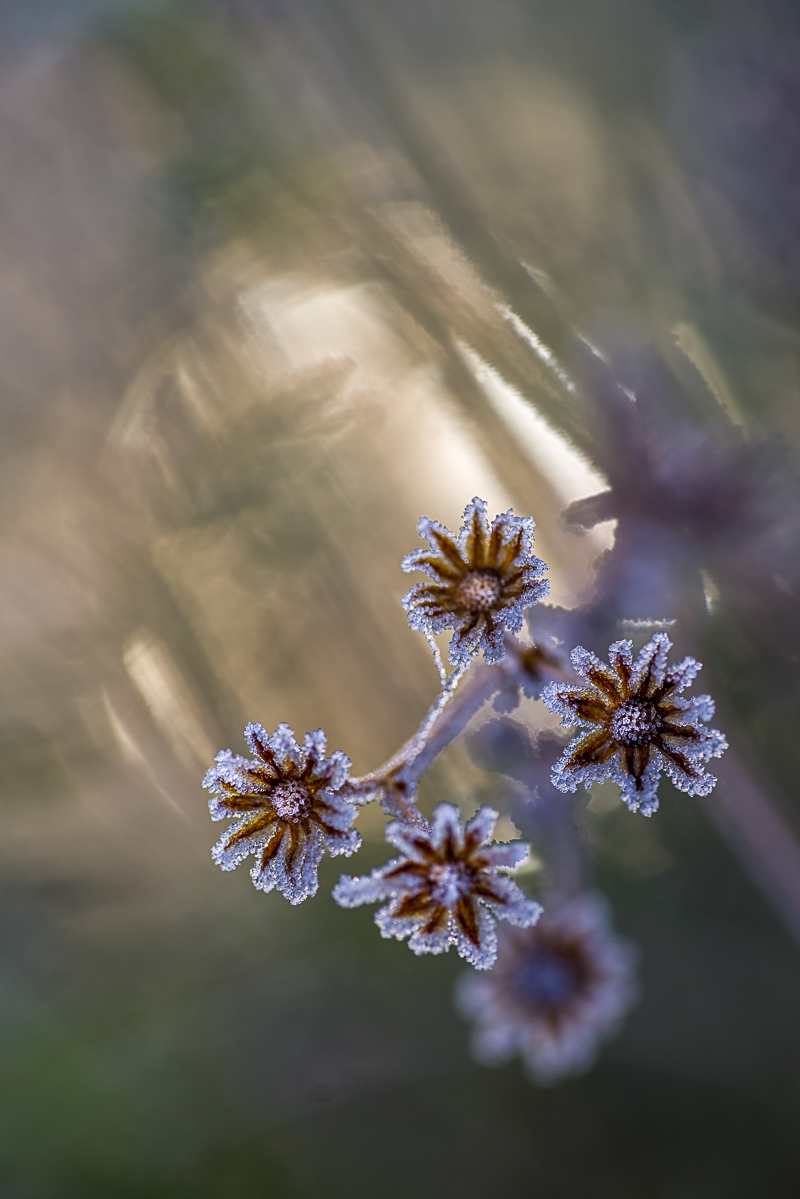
752,823
452,719
445,720
395,782
437,657
421,738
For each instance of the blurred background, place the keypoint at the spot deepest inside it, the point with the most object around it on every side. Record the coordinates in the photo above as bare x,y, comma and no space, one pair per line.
278,277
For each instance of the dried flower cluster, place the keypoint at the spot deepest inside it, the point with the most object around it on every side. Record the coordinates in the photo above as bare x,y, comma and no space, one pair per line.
558,985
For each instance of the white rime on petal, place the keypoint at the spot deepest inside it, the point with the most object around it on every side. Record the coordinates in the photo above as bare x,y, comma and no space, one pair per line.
352,892
298,881
483,955
404,838
445,888
506,856
447,826
512,904
481,826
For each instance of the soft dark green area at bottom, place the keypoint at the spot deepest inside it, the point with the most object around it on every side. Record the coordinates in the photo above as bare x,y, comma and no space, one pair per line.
256,1050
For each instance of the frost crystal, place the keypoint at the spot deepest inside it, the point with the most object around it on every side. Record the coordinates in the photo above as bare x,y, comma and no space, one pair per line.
638,724
557,990
445,888
483,580
286,808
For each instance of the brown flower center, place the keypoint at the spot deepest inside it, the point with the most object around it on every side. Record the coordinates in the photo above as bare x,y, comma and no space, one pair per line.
449,881
635,722
291,801
479,590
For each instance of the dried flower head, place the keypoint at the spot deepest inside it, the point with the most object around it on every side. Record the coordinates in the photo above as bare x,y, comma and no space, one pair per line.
286,807
445,888
639,725
557,991
483,580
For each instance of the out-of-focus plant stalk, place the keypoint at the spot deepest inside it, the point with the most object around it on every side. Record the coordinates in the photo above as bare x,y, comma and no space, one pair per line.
751,821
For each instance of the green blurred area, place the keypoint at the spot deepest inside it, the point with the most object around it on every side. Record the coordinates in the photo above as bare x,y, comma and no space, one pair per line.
242,248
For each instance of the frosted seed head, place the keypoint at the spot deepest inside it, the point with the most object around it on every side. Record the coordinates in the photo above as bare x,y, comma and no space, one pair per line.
457,891
287,824
635,722
478,591
483,579
449,881
548,980
291,801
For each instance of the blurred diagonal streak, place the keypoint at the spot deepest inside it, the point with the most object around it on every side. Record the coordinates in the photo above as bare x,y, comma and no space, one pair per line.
132,753
167,696
752,821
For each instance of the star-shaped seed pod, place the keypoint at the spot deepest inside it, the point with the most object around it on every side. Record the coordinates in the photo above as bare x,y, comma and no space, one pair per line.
639,725
287,809
483,580
556,992
445,889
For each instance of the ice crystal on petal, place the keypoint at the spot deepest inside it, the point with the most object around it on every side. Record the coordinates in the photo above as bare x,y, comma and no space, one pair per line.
286,809
483,579
556,992
445,889
638,724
